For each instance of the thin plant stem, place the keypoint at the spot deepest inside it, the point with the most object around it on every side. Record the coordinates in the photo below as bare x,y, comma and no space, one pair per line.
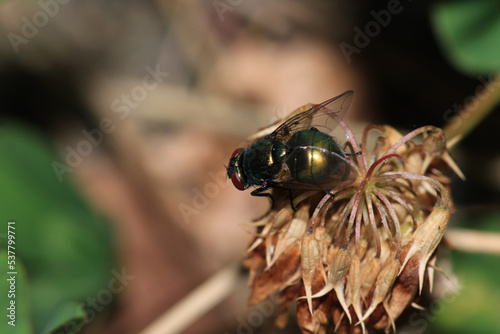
473,113
473,241
197,303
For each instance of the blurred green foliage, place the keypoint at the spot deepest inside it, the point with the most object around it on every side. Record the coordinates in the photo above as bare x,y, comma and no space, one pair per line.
476,308
65,247
69,318
469,32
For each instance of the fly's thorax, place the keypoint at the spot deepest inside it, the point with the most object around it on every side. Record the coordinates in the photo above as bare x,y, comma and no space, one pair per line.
278,153
263,160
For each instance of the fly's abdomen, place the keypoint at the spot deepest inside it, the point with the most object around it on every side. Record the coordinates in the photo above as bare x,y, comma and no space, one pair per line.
315,138
313,156
312,164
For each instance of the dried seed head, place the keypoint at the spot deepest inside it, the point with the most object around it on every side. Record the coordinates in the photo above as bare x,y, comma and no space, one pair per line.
365,249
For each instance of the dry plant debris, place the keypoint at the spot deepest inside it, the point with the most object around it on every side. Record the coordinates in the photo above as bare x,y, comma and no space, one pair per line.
357,260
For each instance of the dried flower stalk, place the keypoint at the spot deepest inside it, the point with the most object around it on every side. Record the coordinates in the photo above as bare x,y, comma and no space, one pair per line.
359,258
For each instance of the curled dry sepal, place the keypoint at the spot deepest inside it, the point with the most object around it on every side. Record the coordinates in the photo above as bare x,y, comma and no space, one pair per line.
357,260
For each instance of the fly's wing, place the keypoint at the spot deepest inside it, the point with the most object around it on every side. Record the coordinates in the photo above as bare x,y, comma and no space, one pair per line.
331,170
266,131
318,116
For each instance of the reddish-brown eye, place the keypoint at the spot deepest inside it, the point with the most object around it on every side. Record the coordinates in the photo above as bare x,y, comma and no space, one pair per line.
237,181
235,153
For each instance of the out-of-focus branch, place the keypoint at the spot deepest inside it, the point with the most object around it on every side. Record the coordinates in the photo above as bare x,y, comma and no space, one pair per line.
197,303
182,107
473,241
473,113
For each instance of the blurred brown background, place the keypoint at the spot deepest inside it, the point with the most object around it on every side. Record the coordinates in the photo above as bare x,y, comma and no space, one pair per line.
179,85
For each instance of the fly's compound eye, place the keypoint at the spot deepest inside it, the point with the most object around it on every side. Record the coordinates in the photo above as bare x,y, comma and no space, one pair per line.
235,153
237,181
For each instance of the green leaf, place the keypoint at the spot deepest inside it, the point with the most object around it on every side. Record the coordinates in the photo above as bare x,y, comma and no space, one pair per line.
19,315
66,247
69,318
469,32
475,308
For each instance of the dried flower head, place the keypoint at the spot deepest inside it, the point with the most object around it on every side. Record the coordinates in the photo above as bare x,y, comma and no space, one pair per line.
358,258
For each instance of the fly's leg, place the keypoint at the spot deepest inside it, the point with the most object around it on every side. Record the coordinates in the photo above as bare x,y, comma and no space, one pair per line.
332,195
259,192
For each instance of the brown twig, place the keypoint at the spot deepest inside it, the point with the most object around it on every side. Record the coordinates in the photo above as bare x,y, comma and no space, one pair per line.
202,299
473,241
473,112
181,107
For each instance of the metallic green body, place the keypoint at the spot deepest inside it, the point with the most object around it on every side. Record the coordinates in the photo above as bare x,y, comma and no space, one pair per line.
310,159
262,161
307,154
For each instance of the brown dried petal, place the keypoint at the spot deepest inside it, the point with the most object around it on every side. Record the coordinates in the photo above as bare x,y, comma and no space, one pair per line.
294,232
283,218
258,241
435,146
283,300
316,322
330,254
453,165
310,255
435,142
255,264
383,285
336,278
426,239
414,162
431,271
369,272
271,280
392,136
354,286
403,292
